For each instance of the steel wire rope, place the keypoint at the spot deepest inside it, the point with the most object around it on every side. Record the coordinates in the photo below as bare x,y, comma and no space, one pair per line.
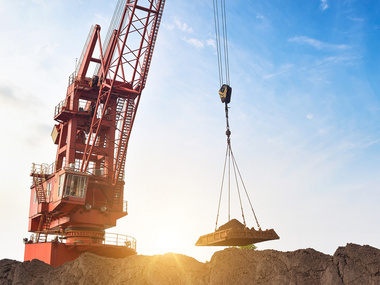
246,192
237,184
229,183
228,133
225,39
228,156
217,41
221,190
221,40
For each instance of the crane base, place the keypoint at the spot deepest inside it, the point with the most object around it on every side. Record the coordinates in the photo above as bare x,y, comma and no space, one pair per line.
235,233
56,253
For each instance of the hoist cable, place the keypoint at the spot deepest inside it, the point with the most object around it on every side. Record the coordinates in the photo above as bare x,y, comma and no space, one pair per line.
229,155
221,189
217,42
221,41
246,192
237,185
228,132
229,183
225,39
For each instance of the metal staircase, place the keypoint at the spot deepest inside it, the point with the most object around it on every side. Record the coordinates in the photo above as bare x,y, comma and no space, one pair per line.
43,228
153,37
122,148
38,180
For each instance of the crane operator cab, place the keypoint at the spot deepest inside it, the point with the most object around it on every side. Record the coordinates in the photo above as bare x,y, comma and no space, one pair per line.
225,93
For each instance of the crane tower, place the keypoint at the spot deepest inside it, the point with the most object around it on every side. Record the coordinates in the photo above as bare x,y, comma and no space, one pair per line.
76,198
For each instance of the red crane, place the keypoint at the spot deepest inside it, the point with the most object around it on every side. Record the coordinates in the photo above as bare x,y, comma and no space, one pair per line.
79,196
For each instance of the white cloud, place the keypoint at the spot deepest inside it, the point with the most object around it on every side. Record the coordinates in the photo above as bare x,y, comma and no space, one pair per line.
167,26
211,42
356,19
41,2
324,5
352,143
283,69
194,42
317,43
309,116
182,26
343,59
100,18
6,93
45,49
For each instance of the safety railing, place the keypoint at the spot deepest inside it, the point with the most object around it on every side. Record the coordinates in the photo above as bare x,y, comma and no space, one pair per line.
58,236
58,109
46,169
82,107
73,166
120,240
79,63
39,236
72,78
125,206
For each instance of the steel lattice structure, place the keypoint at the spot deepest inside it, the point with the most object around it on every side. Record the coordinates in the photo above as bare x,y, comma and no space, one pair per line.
81,194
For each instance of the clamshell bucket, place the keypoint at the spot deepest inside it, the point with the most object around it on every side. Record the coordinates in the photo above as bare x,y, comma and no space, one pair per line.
235,233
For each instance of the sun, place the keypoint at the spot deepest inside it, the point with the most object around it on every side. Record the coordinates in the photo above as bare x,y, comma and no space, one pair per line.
167,242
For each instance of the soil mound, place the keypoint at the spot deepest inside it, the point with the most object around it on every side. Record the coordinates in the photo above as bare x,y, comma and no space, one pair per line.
352,264
232,224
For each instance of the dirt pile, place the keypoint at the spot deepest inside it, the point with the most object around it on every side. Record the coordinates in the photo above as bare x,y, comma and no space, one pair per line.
352,264
232,224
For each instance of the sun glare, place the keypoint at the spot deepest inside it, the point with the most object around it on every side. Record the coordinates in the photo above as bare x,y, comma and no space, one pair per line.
167,242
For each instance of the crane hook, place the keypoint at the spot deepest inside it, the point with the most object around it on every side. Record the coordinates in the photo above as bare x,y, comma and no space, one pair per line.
225,93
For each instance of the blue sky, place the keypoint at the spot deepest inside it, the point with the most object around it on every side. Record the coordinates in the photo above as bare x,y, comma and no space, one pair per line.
305,119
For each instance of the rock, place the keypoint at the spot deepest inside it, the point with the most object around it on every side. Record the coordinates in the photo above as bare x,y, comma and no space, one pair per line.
28,272
352,264
138,269
240,266
358,264
7,269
